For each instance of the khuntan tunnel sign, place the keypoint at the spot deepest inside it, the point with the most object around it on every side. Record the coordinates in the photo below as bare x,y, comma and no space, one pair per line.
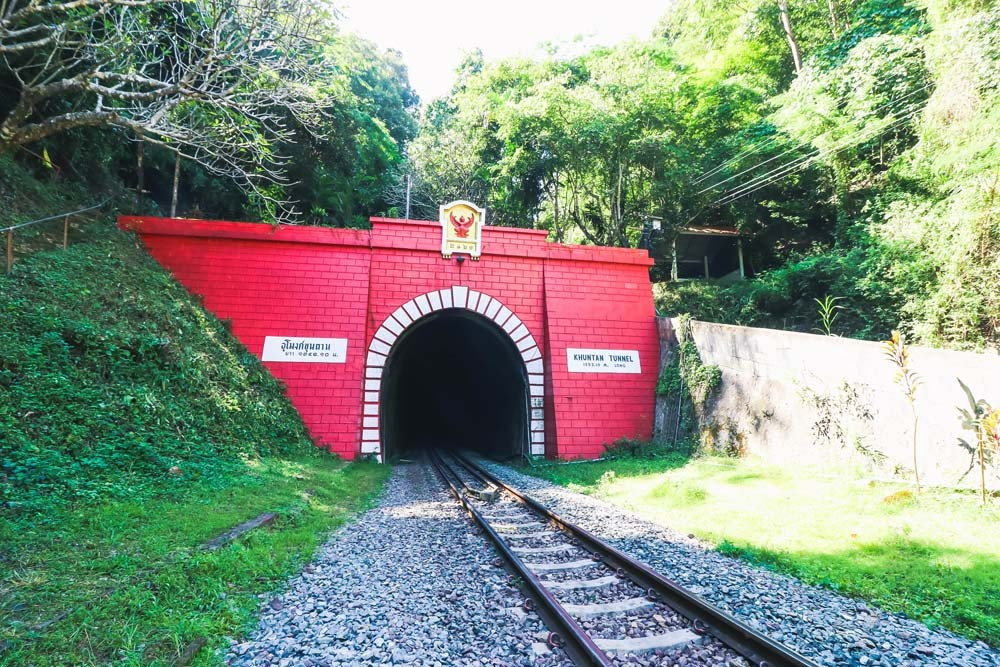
384,334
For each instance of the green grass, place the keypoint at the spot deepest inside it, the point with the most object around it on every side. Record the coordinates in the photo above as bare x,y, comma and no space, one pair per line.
934,557
133,580
133,429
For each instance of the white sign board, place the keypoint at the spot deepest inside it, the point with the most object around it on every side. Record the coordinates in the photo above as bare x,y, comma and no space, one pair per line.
602,361
310,350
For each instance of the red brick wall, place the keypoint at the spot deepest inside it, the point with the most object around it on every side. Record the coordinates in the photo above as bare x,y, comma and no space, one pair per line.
599,305
321,282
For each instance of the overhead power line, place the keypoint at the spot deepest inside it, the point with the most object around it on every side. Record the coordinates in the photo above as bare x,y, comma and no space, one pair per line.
800,145
802,162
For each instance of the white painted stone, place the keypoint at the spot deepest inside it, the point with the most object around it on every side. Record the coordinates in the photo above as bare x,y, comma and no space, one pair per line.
400,316
512,323
446,301
384,334
460,296
532,354
411,309
535,366
373,372
538,402
502,315
370,447
538,448
369,434
537,414
538,437
536,378
423,304
373,385
526,343
375,359
379,347
493,309
371,422
371,397
537,425
435,299
519,333
484,303
473,299
371,408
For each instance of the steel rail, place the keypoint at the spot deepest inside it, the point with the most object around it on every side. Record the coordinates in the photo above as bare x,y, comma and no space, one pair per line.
745,640
577,643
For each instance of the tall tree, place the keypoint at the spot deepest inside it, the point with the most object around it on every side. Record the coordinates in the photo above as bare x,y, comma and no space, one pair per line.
212,79
786,24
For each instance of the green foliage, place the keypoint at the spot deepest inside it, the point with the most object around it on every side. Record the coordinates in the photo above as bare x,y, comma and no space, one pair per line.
111,373
133,574
828,312
984,422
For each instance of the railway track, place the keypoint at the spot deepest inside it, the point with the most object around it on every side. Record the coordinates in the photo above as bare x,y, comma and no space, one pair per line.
603,607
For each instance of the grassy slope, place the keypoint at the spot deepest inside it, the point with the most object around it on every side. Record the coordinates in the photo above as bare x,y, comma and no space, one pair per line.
933,557
110,376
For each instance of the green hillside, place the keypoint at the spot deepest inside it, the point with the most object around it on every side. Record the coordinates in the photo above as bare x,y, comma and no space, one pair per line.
134,428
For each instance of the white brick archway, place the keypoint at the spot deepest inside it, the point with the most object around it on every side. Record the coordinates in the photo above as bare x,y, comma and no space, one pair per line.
421,306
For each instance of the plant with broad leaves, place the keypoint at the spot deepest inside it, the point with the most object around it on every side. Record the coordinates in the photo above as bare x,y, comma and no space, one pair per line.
983,420
898,352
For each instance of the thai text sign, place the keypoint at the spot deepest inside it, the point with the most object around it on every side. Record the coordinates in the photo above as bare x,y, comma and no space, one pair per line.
312,350
602,361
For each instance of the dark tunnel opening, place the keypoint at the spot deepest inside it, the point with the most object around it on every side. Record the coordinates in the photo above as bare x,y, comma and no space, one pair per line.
454,379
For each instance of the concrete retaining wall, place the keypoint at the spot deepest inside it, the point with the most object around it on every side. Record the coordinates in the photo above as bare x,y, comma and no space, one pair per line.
800,397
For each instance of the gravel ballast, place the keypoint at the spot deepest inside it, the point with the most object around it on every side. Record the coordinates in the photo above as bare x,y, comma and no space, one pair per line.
408,583
827,627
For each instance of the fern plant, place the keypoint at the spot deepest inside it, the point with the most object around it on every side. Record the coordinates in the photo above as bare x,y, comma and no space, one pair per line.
898,352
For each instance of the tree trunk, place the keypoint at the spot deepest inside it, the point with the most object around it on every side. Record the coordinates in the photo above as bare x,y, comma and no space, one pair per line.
786,23
177,180
834,28
139,176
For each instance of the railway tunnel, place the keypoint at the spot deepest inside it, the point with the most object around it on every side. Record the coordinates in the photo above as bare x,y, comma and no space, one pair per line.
455,379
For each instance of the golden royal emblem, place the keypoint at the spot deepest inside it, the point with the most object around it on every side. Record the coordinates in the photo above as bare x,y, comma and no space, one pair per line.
462,229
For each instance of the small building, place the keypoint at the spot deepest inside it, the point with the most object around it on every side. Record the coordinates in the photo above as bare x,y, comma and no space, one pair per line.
707,252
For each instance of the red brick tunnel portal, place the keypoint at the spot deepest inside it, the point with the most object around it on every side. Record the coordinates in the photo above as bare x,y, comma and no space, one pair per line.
386,345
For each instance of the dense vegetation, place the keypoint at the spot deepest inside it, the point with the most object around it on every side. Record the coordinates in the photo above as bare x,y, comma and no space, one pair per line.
133,429
867,171
853,142
111,373
264,108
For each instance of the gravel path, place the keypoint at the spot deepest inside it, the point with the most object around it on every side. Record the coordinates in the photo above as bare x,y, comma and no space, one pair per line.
408,583
827,627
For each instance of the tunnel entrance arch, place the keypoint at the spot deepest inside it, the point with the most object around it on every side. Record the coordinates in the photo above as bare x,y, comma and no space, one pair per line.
453,366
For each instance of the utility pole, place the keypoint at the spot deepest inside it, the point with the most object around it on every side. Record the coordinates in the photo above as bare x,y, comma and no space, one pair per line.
409,186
